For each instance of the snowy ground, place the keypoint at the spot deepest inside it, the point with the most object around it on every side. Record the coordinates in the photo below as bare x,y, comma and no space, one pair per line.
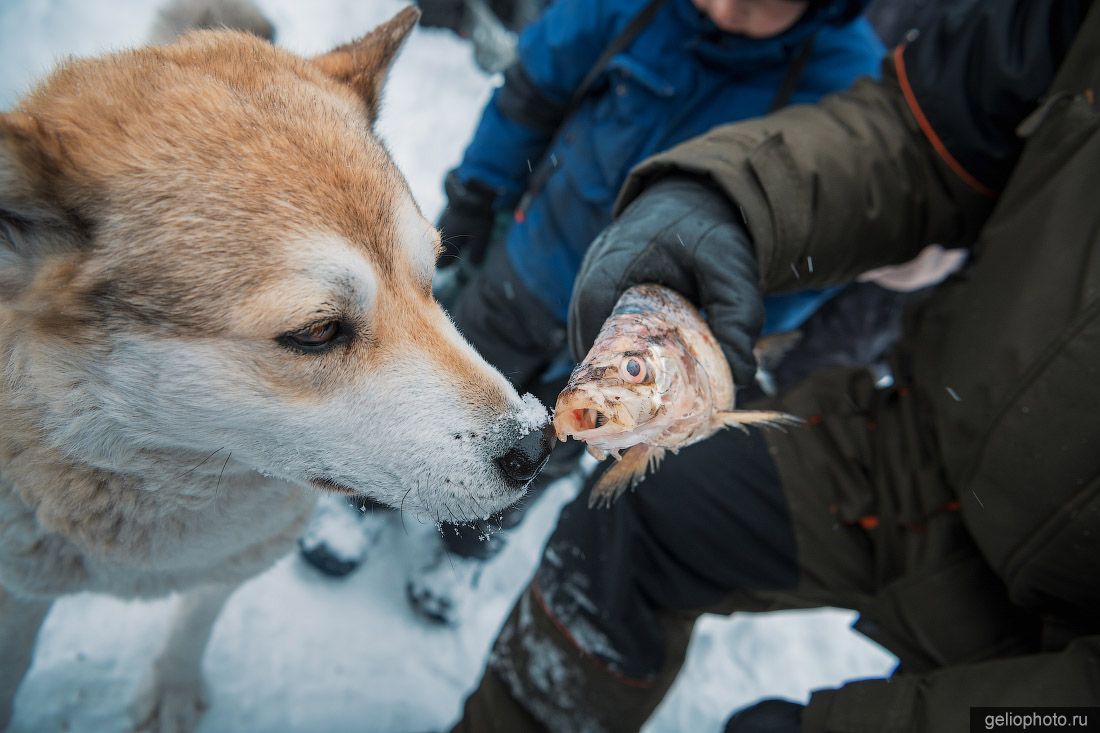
295,652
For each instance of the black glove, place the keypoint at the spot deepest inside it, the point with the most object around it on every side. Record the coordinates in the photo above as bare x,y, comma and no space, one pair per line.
681,233
769,716
467,221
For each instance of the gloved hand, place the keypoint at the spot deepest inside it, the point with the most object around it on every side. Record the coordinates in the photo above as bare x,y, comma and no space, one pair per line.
682,233
467,221
769,716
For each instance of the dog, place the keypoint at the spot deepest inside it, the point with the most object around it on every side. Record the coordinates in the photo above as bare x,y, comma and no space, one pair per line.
215,303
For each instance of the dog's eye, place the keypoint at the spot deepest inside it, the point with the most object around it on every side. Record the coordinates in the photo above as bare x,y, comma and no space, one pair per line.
316,337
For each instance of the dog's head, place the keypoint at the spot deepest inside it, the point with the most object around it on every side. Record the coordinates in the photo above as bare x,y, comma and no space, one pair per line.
205,249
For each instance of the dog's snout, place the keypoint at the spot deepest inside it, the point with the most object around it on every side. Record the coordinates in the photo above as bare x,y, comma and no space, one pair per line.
525,459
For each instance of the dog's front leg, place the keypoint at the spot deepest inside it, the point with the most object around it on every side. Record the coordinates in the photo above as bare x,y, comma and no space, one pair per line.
172,698
20,620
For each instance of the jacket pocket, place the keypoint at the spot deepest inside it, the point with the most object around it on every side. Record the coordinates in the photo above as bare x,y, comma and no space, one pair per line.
1058,567
955,613
1039,476
628,117
1056,133
634,85
1058,110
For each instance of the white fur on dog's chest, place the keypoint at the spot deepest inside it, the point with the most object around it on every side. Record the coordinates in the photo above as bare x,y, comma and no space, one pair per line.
148,545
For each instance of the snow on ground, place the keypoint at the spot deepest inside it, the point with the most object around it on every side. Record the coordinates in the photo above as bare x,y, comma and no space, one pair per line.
294,651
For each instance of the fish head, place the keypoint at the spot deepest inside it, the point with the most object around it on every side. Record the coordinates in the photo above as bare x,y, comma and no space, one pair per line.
617,396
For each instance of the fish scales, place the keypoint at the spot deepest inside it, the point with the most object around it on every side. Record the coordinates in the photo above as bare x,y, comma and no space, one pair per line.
655,381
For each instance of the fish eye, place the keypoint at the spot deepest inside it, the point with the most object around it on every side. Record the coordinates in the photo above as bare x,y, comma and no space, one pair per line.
633,370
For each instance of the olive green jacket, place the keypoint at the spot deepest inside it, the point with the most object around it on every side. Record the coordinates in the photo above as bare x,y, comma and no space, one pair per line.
984,136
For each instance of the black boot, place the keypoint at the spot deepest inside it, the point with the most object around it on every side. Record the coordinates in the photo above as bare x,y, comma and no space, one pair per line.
341,530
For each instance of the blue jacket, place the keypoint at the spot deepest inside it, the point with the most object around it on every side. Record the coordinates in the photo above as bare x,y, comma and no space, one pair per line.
680,77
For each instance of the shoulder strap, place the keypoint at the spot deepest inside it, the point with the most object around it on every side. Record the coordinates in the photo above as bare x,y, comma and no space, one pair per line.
546,167
618,43
794,75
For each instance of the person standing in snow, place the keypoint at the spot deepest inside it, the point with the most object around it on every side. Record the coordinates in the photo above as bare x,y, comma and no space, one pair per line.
490,25
550,166
959,509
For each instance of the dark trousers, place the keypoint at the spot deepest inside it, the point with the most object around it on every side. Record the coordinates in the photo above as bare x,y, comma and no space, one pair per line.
848,511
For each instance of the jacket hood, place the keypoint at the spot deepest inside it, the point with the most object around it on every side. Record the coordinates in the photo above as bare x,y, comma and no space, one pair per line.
718,47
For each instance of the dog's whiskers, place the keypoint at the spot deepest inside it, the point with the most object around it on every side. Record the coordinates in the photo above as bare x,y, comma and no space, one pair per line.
401,510
220,474
197,465
480,506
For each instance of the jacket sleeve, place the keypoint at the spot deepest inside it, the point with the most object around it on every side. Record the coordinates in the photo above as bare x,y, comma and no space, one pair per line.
941,700
870,176
554,55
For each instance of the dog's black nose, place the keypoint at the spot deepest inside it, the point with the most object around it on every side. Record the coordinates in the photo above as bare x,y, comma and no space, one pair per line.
526,458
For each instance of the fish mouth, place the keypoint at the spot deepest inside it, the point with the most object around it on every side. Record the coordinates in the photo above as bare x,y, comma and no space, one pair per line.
579,420
590,418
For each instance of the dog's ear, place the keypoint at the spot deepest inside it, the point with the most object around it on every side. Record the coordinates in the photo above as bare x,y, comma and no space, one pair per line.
364,64
33,223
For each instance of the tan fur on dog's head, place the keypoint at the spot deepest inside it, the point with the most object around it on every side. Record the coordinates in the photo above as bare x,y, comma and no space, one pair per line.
181,224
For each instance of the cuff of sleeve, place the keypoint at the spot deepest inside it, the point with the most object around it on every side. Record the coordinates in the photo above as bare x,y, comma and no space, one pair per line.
868,706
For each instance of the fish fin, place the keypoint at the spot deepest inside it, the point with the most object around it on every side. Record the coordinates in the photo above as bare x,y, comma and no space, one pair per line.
598,453
627,473
764,418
